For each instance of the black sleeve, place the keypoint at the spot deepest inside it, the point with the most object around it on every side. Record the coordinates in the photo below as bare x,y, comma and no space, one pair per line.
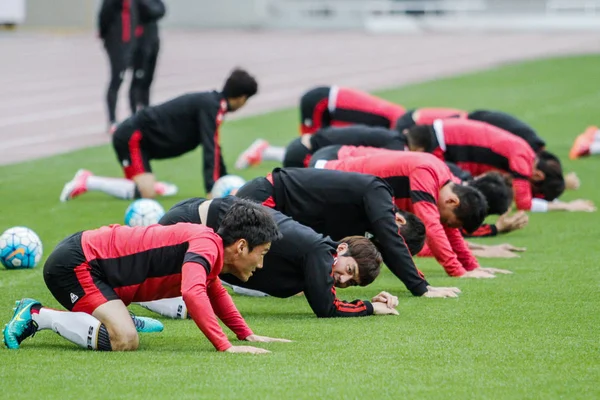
380,210
320,291
459,172
213,162
108,12
485,230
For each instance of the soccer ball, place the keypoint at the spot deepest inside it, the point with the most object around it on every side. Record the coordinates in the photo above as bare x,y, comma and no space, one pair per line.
226,184
143,212
20,248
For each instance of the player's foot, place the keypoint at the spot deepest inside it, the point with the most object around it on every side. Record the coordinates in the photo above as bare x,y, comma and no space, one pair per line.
165,189
112,128
21,326
581,146
76,186
146,325
252,156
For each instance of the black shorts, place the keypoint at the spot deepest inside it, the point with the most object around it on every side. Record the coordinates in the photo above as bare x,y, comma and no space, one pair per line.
405,121
129,145
184,211
71,279
296,155
327,153
314,110
259,190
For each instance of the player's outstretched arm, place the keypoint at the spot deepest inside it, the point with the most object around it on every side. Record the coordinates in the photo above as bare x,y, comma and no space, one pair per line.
265,339
246,349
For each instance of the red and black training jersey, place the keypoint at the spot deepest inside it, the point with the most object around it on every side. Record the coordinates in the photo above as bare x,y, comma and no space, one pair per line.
351,106
340,204
416,180
157,262
478,147
117,21
358,135
180,125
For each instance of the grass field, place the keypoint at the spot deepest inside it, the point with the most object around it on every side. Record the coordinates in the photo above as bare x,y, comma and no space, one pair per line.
530,335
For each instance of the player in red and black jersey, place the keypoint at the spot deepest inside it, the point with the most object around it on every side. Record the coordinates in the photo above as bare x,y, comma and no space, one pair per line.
165,131
301,261
340,204
117,21
479,147
424,185
95,274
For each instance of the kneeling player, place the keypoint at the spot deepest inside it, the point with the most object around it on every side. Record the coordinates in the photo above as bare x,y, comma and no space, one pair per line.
301,261
95,274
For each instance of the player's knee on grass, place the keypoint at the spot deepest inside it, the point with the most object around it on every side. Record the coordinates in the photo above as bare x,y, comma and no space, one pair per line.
115,317
145,185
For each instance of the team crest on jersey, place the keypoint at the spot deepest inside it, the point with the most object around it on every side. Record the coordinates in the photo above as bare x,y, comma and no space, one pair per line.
369,235
308,122
125,163
74,298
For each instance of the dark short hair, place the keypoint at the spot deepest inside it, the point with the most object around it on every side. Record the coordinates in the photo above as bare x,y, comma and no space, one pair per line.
553,184
250,221
240,83
421,136
472,209
366,255
413,232
497,191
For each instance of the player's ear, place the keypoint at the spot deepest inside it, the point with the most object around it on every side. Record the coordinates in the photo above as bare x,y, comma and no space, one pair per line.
538,175
241,245
342,248
400,220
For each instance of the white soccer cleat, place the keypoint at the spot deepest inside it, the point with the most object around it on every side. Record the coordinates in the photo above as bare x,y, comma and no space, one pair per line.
165,189
75,187
252,156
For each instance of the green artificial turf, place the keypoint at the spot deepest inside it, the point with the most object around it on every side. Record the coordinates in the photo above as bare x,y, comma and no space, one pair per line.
531,335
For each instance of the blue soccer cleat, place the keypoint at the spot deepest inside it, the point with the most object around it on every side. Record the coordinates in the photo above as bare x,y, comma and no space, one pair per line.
21,326
147,325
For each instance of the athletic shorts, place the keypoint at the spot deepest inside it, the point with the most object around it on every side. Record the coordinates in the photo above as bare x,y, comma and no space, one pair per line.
260,190
72,281
314,113
405,121
327,153
296,155
128,144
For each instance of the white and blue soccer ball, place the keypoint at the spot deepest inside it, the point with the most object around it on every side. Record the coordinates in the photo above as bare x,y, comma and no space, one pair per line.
20,248
143,212
225,185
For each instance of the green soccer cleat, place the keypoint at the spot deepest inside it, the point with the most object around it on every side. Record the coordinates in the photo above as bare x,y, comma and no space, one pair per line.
147,325
21,326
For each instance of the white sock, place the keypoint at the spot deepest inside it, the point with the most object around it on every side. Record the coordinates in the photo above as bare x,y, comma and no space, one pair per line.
77,327
172,308
597,136
595,147
117,187
274,153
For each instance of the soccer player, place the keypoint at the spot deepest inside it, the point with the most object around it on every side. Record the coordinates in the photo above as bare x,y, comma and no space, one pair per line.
95,274
117,21
478,147
328,106
165,131
340,204
145,53
301,261
424,185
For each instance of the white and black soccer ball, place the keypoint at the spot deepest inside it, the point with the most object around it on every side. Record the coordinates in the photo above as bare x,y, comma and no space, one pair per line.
225,185
143,212
20,248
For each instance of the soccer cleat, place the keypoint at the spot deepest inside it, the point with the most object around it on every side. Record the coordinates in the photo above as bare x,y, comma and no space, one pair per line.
252,156
165,189
21,326
581,146
146,325
76,186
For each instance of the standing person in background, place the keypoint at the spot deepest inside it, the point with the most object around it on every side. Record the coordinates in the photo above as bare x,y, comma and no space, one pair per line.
145,53
117,21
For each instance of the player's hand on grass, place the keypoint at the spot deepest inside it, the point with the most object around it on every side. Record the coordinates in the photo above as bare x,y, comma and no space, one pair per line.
382,309
478,273
572,181
247,349
581,205
495,270
438,292
504,250
384,297
508,223
265,339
